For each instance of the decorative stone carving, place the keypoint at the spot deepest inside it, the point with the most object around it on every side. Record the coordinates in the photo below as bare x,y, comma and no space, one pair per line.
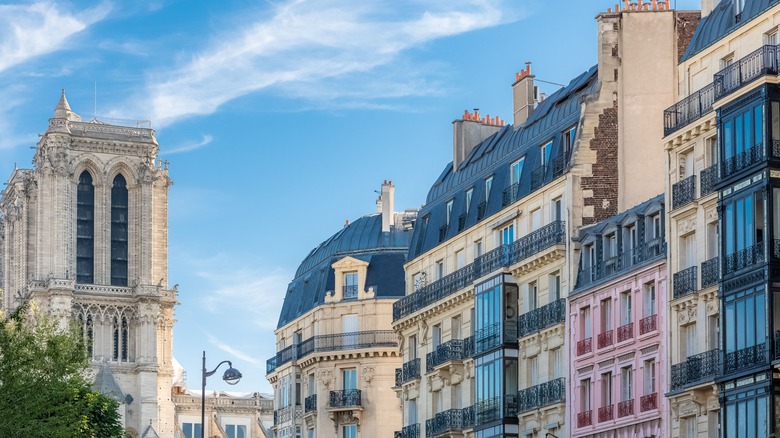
326,378
686,226
368,375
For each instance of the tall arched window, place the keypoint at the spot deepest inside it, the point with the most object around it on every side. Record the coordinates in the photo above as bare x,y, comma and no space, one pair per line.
124,339
85,229
119,232
115,330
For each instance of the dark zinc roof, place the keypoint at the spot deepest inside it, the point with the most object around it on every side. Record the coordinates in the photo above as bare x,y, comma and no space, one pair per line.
722,21
637,210
363,239
556,113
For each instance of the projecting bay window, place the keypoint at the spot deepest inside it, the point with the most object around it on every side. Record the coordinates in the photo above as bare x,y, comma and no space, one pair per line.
496,387
496,314
743,232
744,329
742,138
85,229
119,222
746,413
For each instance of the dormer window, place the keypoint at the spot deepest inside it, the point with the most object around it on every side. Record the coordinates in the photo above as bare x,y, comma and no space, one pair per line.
546,149
488,186
516,171
739,7
350,285
568,141
469,194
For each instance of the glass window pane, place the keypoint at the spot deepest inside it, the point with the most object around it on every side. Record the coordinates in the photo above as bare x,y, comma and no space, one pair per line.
739,134
759,124
728,141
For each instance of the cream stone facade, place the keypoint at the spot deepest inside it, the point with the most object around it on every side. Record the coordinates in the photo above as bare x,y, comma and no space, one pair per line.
85,234
228,414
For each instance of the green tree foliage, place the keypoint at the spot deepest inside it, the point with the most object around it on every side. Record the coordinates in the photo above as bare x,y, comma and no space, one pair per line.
43,392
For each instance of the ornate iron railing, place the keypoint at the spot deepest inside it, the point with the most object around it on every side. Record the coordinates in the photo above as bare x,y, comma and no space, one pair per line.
503,256
442,233
468,347
605,339
510,195
276,418
462,221
689,109
481,210
625,332
760,62
350,291
626,408
537,177
648,324
602,269
410,431
776,148
743,258
684,192
539,396
584,346
558,166
696,369
606,413
541,318
648,402
446,352
685,282
451,420
745,358
584,418
344,398
707,179
496,408
337,342
776,248
742,160
310,403
470,417
710,272
408,372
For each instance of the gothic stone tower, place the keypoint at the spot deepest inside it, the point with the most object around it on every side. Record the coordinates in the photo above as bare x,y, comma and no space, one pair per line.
85,234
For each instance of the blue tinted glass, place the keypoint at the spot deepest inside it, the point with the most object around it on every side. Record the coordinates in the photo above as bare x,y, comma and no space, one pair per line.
740,325
728,141
759,124
728,226
740,214
751,418
749,222
729,327
731,421
748,131
760,319
739,139
763,410
742,415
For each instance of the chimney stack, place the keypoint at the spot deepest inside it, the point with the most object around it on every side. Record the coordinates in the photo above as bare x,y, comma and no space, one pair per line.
470,131
388,206
523,93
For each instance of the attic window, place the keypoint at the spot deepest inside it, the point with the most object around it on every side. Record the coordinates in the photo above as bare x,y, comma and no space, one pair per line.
740,6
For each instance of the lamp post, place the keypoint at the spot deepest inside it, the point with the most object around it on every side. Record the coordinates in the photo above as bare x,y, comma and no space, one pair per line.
231,377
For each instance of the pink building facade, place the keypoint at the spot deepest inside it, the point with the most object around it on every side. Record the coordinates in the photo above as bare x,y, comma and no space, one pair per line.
617,317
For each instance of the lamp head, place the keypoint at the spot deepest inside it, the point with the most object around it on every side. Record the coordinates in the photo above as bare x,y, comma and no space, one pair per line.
232,375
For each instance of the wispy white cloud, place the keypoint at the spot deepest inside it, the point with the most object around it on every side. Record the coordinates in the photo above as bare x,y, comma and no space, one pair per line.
227,348
31,30
312,43
189,146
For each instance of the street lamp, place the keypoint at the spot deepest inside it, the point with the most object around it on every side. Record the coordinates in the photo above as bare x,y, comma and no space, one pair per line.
231,377
548,434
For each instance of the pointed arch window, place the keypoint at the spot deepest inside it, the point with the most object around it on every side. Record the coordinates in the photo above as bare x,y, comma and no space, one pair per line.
90,335
124,338
119,232
115,329
85,229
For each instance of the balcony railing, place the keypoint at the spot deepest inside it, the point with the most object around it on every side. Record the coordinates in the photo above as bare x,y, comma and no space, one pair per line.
510,195
689,109
625,332
744,258
503,256
310,403
481,210
696,369
684,192
584,418
470,417
325,343
707,179
539,396
541,318
350,291
710,272
446,352
462,221
345,398
468,347
760,62
648,402
775,248
606,413
745,358
410,431
685,282
494,335
742,160
605,339
409,371
584,346
626,408
496,408
452,420
777,345
442,232
648,324
537,177
602,269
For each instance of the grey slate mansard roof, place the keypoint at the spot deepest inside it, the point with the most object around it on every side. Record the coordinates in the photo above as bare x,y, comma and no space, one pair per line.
721,22
362,239
558,112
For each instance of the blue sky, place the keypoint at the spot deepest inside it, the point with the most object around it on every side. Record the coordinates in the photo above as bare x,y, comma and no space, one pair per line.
279,118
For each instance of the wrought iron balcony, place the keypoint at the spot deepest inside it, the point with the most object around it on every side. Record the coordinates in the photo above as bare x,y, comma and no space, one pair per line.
606,413
584,346
710,272
707,179
310,403
470,417
689,109
468,347
541,318
625,332
503,256
495,408
451,420
685,282
409,371
446,352
410,431
539,396
442,232
744,258
648,402
742,160
684,192
605,339
696,369
648,324
537,177
626,408
622,262
276,418
776,148
776,248
462,221
745,358
760,62
510,195
270,365
481,210
350,292
345,398
584,418
494,335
